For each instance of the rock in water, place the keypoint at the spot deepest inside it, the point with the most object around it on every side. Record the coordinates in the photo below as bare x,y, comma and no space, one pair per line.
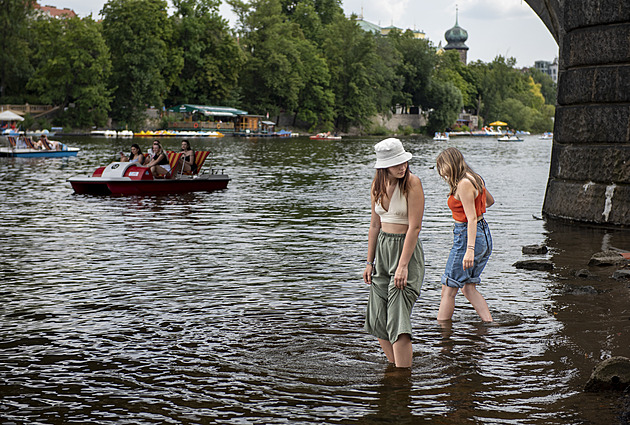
611,374
606,258
623,274
534,249
534,265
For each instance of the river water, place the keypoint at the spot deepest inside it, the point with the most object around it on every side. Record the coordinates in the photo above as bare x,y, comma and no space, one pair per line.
246,306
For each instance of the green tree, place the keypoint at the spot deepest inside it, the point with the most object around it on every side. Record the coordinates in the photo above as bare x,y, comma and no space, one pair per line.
327,10
498,80
531,95
145,64
284,71
305,15
383,74
417,62
361,79
273,76
445,103
316,98
14,64
450,68
72,69
543,121
212,58
512,95
548,88
516,114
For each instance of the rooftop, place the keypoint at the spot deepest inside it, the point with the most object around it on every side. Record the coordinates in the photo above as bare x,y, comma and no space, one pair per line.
55,12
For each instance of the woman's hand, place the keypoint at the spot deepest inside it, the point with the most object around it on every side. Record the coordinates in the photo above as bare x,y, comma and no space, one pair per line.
469,259
367,274
400,278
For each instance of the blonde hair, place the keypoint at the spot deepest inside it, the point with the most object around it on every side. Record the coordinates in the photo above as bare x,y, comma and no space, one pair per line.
379,184
450,164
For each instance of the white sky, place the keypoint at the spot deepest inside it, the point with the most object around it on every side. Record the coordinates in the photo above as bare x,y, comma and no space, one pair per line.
495,27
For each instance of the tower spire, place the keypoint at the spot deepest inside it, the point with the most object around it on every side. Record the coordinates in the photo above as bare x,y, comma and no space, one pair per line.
456,38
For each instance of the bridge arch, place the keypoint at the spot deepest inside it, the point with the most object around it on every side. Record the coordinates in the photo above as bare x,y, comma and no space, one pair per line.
589,177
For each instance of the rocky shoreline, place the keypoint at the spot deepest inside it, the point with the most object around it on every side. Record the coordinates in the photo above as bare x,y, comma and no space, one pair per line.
613,373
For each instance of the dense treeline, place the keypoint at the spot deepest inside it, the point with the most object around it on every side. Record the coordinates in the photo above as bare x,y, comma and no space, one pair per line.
298,57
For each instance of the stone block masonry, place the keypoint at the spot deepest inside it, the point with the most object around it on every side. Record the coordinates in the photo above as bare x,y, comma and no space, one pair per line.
589,178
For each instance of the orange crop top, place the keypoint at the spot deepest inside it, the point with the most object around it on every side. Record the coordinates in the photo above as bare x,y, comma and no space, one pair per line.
458,209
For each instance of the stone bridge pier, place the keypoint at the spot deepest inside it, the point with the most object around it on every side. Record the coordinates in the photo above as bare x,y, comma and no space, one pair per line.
589,178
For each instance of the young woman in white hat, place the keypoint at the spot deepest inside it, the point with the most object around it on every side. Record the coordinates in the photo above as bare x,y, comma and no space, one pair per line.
395,259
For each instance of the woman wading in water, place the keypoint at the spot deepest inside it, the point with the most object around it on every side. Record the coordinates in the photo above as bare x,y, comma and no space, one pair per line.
472,242
395,260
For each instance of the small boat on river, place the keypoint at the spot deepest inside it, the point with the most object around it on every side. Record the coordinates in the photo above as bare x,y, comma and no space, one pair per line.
508,138
441,137
24,147
324,136
129,178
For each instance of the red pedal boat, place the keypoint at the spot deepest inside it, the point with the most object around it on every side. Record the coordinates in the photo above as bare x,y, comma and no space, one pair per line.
129,178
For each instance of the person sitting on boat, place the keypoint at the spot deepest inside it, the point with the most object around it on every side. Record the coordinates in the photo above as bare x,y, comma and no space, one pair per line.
159,161
21,143
39,144
44,143
187,160
135,156
55,145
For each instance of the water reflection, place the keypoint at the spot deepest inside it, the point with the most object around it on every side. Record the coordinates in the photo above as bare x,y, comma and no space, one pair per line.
246,305
393,401
595,322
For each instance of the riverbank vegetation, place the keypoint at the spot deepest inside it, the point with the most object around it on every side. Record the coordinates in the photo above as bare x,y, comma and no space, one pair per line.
298,57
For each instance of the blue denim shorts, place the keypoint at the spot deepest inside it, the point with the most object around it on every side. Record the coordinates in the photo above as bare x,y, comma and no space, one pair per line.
455,276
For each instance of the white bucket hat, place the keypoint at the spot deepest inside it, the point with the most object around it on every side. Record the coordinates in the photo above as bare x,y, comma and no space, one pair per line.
390,152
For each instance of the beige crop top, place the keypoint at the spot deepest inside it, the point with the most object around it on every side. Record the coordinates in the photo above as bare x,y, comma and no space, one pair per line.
397,213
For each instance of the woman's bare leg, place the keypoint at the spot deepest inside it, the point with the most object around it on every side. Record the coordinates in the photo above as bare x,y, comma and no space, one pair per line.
403,351
387,349
447,303
158,171
478,301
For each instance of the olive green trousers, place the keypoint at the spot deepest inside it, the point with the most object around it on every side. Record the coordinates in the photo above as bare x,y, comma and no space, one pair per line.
389,308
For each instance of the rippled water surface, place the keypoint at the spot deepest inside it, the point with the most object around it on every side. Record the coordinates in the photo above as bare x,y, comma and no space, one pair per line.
246,305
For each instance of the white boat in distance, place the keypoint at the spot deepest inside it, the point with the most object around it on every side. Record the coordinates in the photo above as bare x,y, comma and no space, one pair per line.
507,138
441,137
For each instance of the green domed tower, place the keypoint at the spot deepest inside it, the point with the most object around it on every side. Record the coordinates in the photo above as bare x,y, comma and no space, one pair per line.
456,38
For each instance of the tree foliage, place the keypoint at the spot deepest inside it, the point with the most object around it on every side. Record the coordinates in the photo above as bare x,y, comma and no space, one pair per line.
327,10
297,57
145,62
445,102
14,64
547,87
359,78
510,95
285,71
273,76
72,69
450,68
417,61
212,59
